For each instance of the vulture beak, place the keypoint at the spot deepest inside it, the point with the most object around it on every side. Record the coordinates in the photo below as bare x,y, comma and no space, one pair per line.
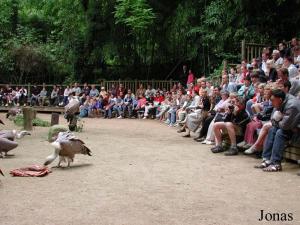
1,172
2,122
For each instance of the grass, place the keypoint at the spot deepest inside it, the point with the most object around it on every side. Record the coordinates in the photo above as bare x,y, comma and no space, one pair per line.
37,122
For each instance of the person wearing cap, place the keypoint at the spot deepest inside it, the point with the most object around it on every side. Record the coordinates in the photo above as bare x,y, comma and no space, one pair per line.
278,61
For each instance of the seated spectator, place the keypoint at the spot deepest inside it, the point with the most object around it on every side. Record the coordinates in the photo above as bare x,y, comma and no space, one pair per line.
109,107
257,120
34,95
140,91
118,107
103,93
277,59
285,119
219,107
86,90
93,92
247,90
129,103
76,89
142,101
197,115
54,96
271,72
288,63
234,118
22,96
67,92
226,86
42,97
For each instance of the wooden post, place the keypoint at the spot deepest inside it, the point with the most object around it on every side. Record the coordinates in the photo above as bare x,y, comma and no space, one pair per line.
225,65
243,50
28,113
54,119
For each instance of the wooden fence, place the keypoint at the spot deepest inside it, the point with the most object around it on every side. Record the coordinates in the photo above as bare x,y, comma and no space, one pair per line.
128,84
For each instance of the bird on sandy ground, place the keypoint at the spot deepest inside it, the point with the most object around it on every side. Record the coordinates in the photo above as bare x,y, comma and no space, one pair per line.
66,146
7,140
13,112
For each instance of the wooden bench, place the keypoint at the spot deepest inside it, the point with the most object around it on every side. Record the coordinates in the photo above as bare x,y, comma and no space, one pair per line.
43,109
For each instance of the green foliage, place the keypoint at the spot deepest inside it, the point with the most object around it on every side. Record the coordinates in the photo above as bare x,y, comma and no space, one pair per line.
19,121
136,14
59,41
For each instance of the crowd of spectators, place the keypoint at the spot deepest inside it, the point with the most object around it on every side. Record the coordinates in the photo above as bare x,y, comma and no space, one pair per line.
254,109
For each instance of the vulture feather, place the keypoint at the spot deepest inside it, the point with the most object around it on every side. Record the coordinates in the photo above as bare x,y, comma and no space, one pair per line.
66,147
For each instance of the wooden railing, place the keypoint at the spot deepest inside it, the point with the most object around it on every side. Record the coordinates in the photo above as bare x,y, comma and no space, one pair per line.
251,50
128,84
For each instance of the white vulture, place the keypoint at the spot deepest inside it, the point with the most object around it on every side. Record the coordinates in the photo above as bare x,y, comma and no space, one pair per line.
7,140
66,146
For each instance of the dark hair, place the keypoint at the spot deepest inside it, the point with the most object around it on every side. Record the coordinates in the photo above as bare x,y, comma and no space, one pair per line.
284,71
278,93
248,78
289,58
255,74
287,84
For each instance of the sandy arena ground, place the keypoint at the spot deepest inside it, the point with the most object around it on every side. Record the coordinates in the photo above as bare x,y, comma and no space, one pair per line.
142,172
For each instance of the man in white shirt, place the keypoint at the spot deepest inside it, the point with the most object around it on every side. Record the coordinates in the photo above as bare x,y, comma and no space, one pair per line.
278,61
288,63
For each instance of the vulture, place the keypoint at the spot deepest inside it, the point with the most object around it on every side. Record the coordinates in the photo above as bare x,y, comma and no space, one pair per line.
66,146
13,112
7,140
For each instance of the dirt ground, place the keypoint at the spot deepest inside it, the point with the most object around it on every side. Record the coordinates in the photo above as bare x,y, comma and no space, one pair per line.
142,173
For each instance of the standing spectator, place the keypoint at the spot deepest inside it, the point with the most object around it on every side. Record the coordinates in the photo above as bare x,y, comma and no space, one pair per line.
190,78
184,74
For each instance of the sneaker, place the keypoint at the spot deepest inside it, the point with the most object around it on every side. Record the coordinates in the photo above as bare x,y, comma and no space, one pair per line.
247,146
120,117
217,149
210,142
232,151
250,150
144,118
241,144
167,122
